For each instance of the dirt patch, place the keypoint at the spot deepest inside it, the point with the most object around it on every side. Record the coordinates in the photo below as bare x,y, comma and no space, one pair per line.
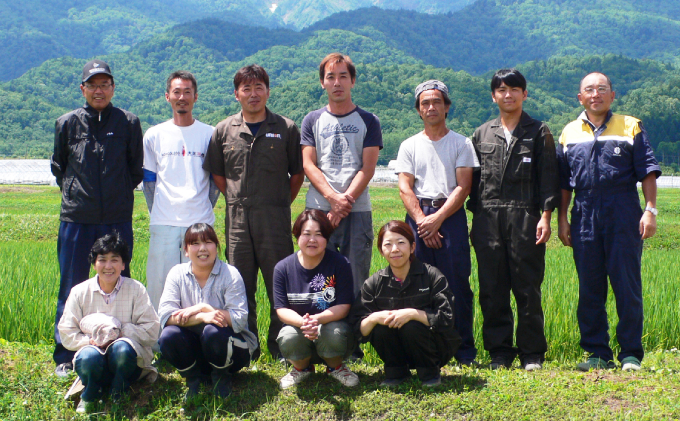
597,376
620,405
20,189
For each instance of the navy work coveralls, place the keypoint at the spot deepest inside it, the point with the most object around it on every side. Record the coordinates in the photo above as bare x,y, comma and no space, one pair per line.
602,166
514,184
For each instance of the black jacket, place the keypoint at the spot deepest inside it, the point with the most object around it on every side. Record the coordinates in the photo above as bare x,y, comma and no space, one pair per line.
425,288
97,161
523,176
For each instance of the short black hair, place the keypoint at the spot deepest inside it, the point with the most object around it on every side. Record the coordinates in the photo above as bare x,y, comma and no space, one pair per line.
184,75
250,73
511,77
110,243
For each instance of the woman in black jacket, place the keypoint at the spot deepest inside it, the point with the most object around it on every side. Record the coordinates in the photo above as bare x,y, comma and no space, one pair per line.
406,311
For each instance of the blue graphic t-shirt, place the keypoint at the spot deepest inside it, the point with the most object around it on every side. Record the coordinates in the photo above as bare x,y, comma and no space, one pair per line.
313,290
340,141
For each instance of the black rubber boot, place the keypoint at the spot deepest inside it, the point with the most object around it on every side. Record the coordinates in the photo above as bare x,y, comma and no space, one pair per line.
193,377
221,380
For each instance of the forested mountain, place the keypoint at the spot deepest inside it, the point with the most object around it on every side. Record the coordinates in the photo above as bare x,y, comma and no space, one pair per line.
33,31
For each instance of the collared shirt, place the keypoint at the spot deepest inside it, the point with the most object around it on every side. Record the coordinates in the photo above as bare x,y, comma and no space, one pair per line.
108,298
611,157
224,290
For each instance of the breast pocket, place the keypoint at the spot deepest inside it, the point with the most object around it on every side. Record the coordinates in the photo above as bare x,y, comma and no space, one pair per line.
522,160
235,154
272,153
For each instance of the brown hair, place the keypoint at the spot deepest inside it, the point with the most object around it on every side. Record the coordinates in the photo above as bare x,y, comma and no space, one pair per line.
397,227
251,73
313,215
200,231
337,58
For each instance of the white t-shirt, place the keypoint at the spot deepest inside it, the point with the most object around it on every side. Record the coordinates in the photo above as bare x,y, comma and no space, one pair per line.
434,163
176,155
508,137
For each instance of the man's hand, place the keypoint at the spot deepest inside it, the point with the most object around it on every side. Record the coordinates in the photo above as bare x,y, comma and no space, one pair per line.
428,230
647,225
334,219
341,204
310,327
543,230
564,231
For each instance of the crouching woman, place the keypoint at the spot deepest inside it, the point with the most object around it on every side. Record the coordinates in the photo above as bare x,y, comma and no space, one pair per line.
312,296
406,311
116,350
204,314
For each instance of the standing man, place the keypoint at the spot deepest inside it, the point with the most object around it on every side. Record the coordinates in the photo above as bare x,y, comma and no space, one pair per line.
340,148
435,174
601,157
255,159
176,186
512,199
97,161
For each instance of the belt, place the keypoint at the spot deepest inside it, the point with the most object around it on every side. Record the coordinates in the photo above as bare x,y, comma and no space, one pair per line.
434,203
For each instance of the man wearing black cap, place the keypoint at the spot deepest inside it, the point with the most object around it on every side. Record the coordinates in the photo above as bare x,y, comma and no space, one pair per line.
435,173
97,161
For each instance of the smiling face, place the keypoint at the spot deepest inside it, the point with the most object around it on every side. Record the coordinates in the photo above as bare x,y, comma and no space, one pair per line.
253,95
338,82
596,95
98,91
397,250
312,243
108,267
202,253
181,96
432,108
509,99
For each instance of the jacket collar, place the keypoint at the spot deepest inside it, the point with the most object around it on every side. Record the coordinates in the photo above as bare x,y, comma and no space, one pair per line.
584,118
238,118
95,114
417,268
524,120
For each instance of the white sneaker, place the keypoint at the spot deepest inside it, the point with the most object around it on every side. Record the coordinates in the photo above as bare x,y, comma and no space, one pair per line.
533,366
344,375
295,376
84,407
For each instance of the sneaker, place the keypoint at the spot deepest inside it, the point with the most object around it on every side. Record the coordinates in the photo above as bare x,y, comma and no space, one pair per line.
85,407
394,382
469,363
344,375
630,364
63,369
532,364
596,363
500,361
434,382
295,376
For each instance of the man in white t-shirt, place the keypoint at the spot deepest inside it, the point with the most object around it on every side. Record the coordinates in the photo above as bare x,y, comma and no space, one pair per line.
177,189
435,170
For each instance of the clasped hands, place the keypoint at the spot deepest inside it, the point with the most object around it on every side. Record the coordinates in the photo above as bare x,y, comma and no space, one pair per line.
310,327
394,319
428,230
341,206
204,313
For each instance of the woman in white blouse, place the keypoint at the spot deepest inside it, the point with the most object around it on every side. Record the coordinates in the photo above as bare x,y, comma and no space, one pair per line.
204,315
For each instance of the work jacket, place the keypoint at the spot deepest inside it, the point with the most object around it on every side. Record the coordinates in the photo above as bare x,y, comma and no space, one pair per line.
97,161
523,175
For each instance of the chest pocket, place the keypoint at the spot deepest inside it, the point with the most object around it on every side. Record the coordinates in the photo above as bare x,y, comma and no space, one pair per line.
270,153
522,160
235,153
490,158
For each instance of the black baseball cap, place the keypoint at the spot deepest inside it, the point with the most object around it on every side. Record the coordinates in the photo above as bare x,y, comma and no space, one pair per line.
96,67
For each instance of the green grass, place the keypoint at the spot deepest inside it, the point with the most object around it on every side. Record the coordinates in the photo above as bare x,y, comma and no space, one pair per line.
29,279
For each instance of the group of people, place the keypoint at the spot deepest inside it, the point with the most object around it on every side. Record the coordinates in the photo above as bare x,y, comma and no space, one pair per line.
201,312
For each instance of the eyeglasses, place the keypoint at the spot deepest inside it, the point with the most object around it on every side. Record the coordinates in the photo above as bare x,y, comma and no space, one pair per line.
602,89
93,86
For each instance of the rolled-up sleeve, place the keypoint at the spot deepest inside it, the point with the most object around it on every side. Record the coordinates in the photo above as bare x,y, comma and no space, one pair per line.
235,301
171,299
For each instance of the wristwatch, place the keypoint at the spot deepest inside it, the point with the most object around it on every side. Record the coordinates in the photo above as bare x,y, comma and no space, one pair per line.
654,211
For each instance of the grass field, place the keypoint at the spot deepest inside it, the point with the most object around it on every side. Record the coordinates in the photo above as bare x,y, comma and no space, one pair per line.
29,283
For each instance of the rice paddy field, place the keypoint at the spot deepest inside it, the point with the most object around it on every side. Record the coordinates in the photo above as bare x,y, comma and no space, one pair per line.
29,272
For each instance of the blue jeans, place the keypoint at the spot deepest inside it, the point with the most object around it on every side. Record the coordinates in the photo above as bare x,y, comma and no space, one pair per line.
116,368
73,247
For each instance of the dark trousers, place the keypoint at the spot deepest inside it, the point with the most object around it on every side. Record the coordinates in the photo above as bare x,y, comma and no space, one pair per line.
257,239
453,260
116,368
607,242
206,346
508,259
73,247
411,346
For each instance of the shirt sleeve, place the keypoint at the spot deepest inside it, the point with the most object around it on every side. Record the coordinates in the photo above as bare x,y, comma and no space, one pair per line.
546,169
145,326
440,312
280,283
643,156
150,164
214,156
69,325
136,153
307,135
59,160
171,299
235,300
373,131
563,165
294,151
344,282
405,162
364,306
467,157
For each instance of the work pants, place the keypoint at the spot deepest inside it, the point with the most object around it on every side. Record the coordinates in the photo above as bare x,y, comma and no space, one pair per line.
453,260
336,339
257,239
73,249
606,240
508,259
413,346
116,368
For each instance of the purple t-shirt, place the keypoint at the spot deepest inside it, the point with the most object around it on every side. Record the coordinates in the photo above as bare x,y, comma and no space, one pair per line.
313,290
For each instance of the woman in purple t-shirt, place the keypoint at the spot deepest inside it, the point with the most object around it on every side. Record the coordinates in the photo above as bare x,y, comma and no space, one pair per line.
312,296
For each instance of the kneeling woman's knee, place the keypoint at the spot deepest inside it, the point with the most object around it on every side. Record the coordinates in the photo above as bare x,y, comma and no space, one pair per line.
335,339
293,344
413,329
122,354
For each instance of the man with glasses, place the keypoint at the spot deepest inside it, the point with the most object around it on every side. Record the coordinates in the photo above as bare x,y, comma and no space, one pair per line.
601,157
177,189
97,161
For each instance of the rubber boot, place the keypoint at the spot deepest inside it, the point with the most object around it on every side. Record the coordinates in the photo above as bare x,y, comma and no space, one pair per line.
193,377
221,380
